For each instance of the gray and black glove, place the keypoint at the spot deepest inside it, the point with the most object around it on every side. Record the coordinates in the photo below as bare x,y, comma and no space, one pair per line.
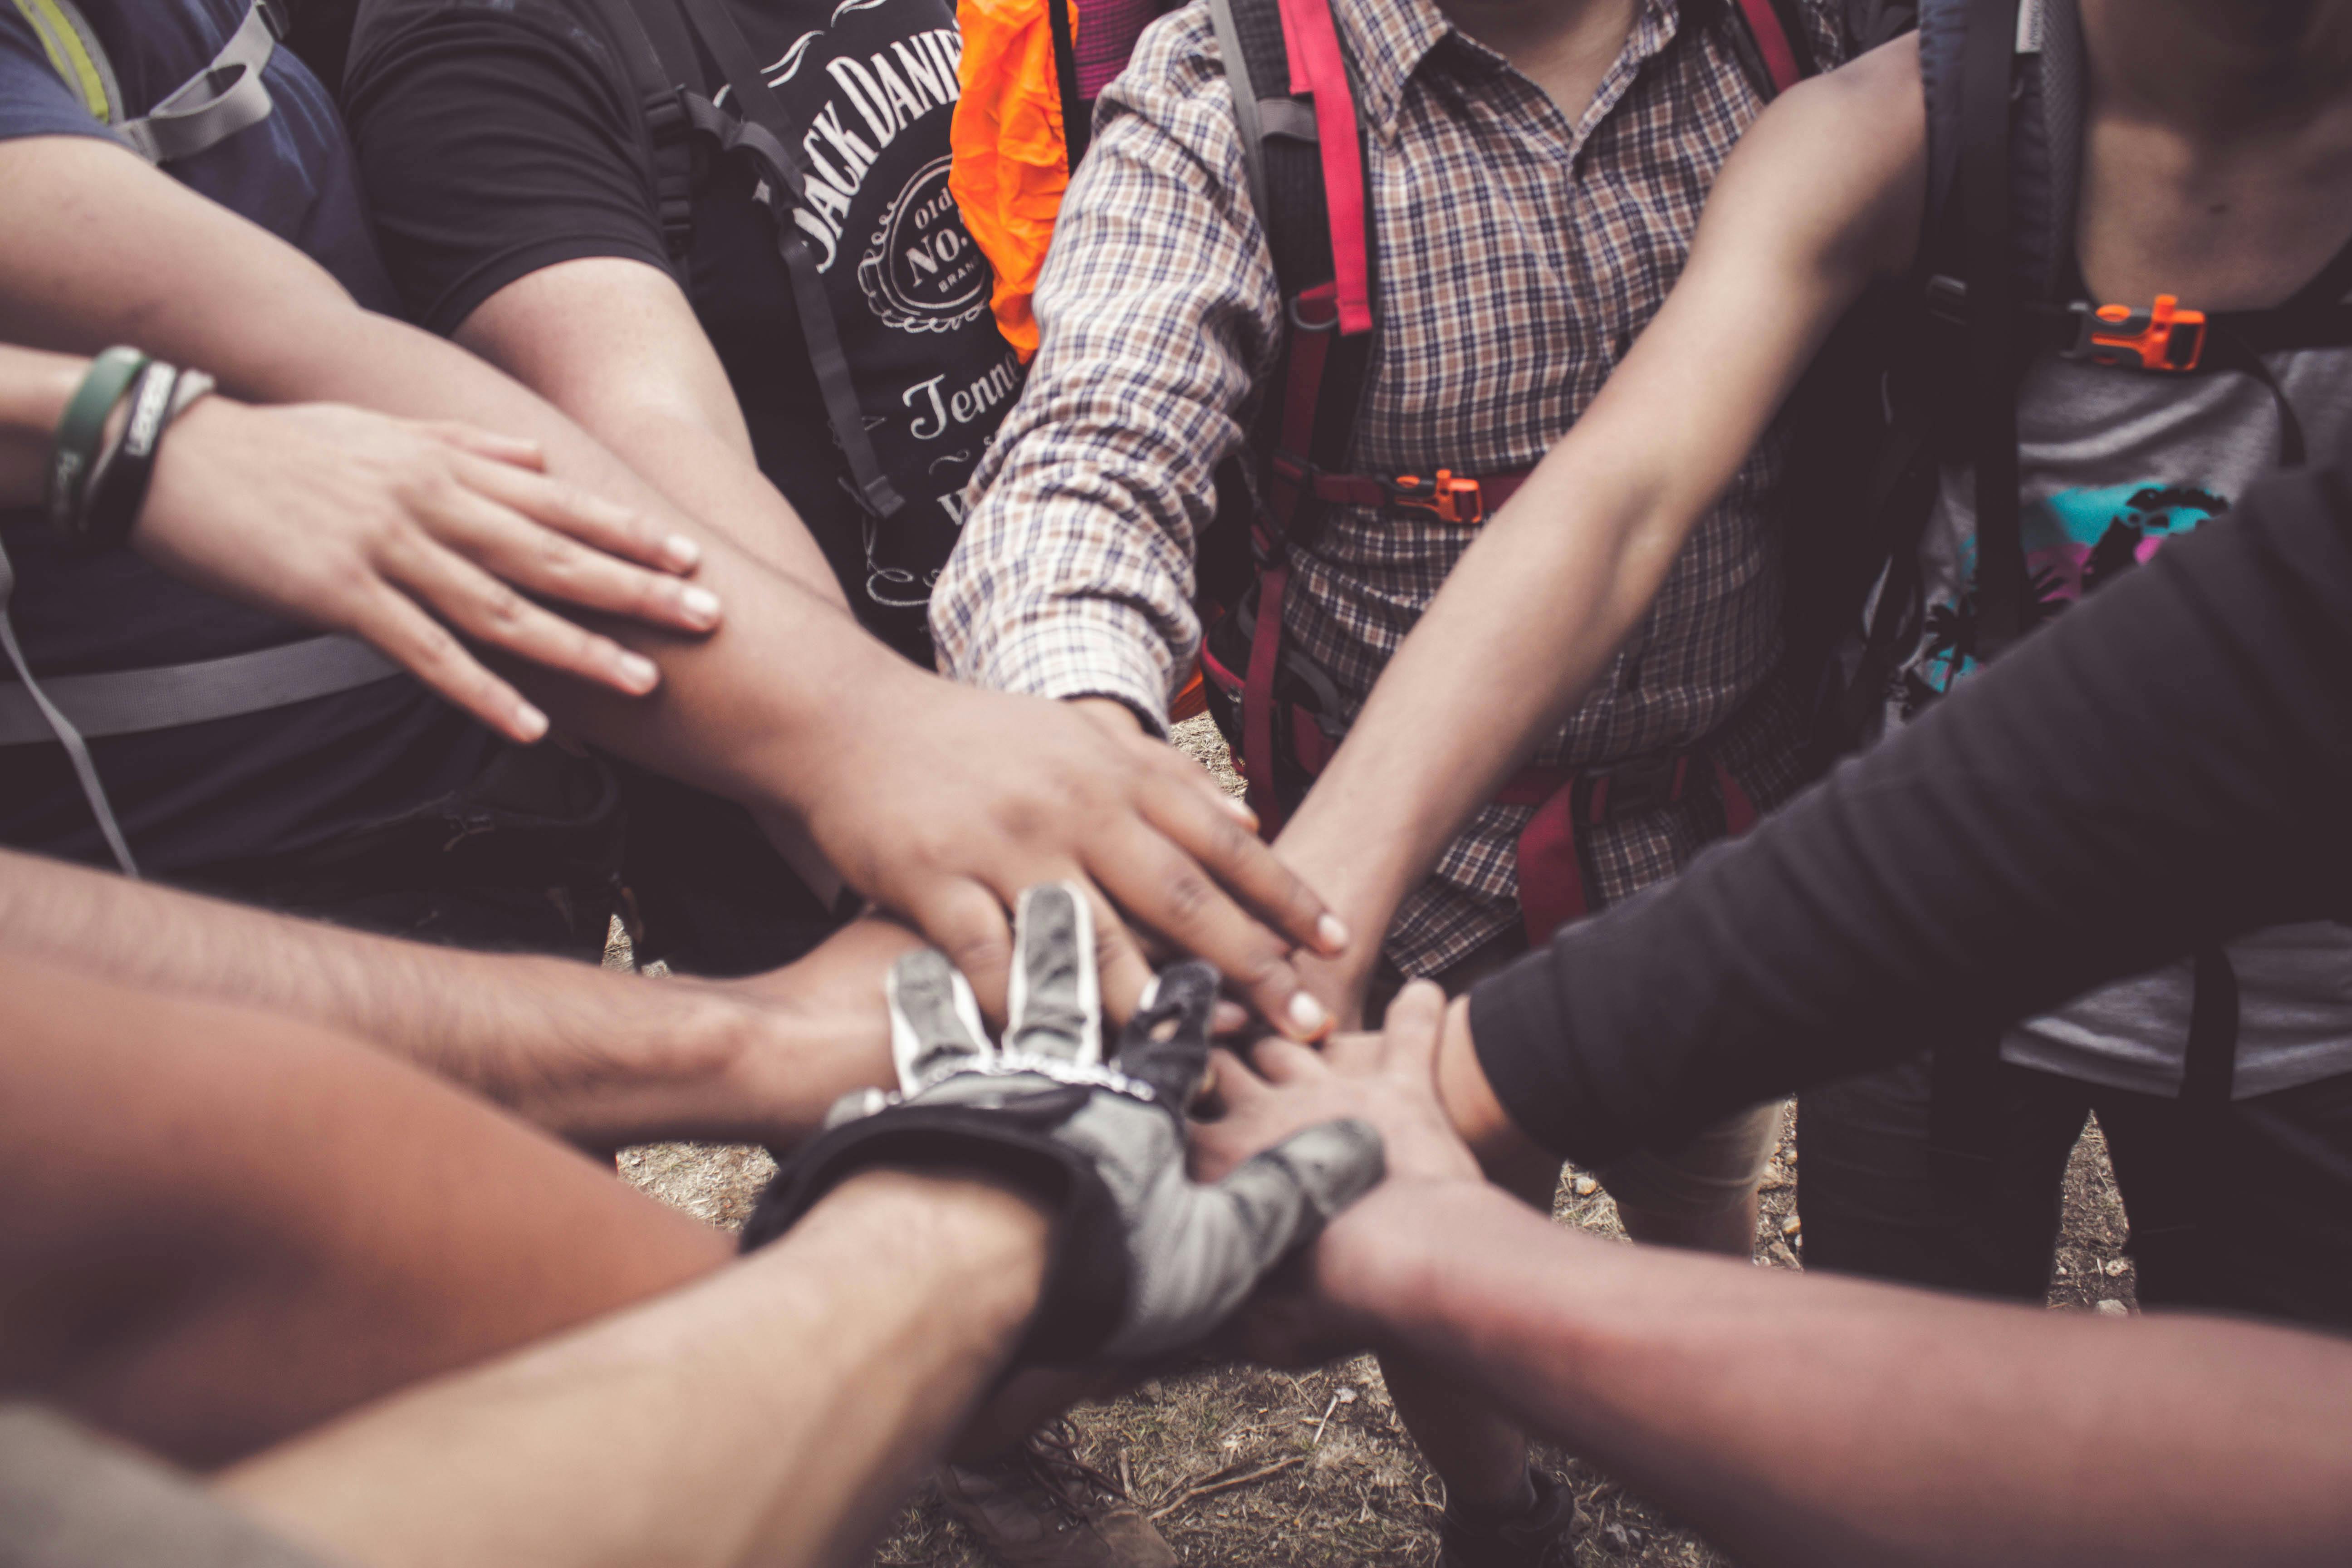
1146,1262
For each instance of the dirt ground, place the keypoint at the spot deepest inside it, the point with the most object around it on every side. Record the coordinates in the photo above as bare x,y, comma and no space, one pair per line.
1241,1467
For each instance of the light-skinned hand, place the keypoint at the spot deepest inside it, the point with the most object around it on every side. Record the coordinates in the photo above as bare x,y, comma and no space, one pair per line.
413,535
1387,1079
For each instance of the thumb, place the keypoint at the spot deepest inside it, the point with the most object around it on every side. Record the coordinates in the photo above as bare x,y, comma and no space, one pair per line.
1293,1189
1219,1241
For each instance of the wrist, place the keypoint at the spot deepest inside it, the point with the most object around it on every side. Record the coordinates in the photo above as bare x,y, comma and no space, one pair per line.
1114,712
821,737
1381,1266
618,1060
993,1236
1511,1159
1354,865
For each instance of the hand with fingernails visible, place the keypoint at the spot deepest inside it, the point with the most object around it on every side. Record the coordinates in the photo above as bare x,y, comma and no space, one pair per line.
414,535
970,795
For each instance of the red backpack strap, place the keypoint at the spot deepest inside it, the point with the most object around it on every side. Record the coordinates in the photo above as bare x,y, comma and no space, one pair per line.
1781,52
1319,72
1286,66
1304,155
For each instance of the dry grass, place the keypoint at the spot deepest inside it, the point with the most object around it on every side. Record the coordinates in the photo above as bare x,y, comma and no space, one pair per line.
1247,1466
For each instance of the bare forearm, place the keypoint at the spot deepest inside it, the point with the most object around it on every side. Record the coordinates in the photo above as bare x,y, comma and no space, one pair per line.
597,1056
736,710
1825,1421
711,476
771,1413
616,346
1820,197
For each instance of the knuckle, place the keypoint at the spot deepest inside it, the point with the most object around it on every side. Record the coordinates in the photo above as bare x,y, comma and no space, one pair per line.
1229,842
1187,896
1262,967
505,609
347,576
981,953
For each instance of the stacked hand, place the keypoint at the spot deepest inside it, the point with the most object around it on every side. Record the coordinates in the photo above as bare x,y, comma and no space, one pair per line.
1148,1260
966,796
1386,1081
411,535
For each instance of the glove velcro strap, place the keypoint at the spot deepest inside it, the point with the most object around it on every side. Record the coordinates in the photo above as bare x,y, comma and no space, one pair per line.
1085,1294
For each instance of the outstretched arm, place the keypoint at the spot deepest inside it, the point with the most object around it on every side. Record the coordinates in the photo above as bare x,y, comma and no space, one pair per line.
1821,1421
939,802
771,1413
1820,197
2061,820
615,344
602,1060
1814,1420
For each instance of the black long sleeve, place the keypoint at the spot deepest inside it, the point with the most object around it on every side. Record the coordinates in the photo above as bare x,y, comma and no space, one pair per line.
2169,764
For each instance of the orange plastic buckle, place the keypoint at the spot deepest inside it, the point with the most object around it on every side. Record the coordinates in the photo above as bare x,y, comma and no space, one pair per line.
2165,338
1455,501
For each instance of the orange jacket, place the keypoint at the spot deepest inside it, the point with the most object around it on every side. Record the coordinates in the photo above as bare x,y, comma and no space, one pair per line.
1012,158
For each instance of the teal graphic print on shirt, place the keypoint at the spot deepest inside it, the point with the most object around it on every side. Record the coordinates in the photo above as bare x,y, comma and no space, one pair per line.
2074,542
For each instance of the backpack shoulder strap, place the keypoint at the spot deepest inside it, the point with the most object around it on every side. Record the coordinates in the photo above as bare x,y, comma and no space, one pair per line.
1294,107
225,97
1773,46
1302,149
76,56
1973,279
760,127
1077,128
666,73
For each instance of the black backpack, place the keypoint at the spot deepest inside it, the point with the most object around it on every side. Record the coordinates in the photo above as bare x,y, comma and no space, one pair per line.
2004,83
676,97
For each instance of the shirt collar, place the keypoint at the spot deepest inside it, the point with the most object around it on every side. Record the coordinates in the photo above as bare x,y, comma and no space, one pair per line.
1389,38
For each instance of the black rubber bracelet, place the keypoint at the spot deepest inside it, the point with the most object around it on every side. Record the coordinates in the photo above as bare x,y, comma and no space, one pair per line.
81,433
119,488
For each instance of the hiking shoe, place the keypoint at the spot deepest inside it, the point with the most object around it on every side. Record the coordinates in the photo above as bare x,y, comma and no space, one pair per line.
1538,1538
1044,1507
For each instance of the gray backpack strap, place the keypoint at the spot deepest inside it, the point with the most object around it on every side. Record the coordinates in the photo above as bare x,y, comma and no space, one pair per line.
69,709
225,97
2065,84
134,702
1235,60
52,722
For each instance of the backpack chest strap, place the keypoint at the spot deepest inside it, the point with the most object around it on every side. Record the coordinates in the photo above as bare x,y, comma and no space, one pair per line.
225,97
1449,497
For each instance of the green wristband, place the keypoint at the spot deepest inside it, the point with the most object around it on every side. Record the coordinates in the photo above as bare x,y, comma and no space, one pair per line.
82,429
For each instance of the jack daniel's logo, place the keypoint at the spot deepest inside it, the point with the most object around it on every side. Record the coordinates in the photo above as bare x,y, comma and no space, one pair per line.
921,272
876,99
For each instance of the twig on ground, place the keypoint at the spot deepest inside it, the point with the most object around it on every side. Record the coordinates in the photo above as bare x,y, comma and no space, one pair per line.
1212,1486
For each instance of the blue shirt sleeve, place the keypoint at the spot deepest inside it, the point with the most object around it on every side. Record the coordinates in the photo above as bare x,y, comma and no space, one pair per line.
34,99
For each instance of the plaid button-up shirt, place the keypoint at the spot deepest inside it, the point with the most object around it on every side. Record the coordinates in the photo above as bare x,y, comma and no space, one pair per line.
1521,250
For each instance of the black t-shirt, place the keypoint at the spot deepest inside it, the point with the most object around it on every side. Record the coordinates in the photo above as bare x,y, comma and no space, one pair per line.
2059,821
498,137
260,784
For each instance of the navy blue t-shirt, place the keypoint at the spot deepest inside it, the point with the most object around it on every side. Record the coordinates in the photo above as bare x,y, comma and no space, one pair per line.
262,784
